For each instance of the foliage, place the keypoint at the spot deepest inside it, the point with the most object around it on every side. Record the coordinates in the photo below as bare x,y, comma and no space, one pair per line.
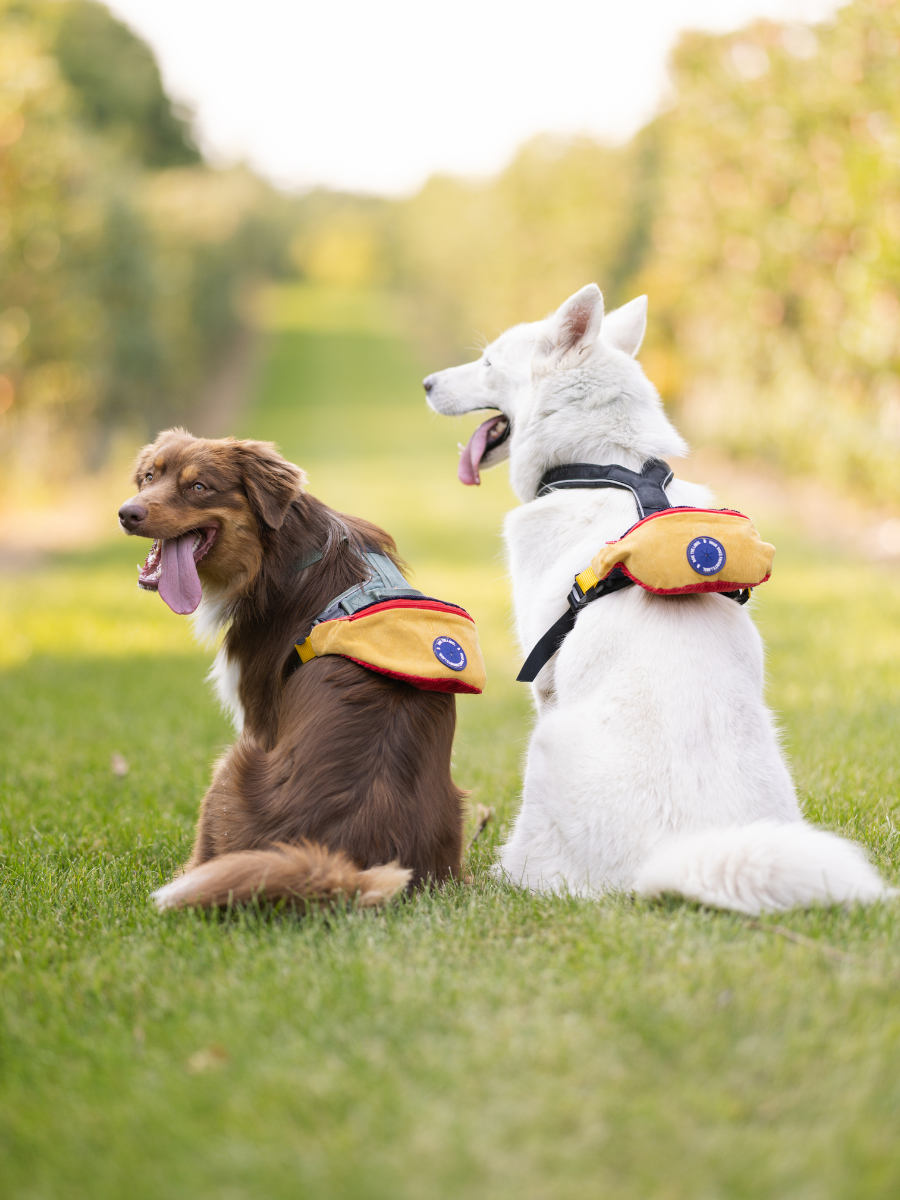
118,84
120,286
479,257
773,266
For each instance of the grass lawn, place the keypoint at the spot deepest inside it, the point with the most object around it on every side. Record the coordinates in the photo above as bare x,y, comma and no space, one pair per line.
473,1043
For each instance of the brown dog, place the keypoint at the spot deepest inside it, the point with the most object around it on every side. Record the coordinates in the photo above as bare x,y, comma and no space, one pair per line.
337,770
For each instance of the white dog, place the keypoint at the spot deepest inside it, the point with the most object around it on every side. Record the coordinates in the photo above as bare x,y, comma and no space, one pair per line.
654,765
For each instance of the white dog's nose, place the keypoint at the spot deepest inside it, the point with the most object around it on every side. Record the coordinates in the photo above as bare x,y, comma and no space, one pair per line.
428,382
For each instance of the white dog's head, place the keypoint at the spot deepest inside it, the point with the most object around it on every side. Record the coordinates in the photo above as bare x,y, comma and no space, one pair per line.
566,389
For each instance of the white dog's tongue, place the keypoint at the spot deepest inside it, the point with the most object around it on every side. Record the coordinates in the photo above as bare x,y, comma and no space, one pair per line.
472,453
179,583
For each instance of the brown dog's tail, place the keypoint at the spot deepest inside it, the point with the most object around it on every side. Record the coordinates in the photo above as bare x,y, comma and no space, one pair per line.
282,872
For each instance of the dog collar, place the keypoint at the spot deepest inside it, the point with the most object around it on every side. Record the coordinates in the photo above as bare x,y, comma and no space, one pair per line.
647,485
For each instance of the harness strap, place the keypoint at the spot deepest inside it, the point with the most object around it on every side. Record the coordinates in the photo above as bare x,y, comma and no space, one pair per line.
646,486
545,647
548,645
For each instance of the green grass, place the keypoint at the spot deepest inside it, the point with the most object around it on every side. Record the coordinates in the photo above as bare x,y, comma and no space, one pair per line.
473,1043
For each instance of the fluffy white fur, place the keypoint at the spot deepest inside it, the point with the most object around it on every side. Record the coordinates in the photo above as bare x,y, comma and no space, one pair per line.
225,676
209,620
211,616
173,894
654,765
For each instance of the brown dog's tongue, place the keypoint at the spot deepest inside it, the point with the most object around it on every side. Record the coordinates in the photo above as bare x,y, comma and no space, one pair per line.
179,583
472,453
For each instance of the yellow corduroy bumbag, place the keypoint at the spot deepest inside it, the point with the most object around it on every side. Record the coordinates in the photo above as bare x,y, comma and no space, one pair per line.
389,627
683,550
430,644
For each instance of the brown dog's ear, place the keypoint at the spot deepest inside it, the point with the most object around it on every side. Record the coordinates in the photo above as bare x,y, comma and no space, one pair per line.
142,463
270,481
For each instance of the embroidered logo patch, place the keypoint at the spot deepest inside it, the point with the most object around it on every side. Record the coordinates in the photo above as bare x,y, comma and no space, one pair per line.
450,653
706,555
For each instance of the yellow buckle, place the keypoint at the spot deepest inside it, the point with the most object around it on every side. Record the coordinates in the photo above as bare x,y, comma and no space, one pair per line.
587,579
305,651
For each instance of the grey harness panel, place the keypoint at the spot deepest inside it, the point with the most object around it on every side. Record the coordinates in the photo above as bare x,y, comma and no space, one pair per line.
384,583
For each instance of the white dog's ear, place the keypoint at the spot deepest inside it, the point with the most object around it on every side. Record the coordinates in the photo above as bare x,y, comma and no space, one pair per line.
625,327
572,330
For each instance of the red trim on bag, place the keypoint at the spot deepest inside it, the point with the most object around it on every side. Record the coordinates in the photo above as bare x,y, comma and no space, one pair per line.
723,512
419,681
712,585
385,605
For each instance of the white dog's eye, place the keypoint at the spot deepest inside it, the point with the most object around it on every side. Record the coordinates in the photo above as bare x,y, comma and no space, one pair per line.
486,361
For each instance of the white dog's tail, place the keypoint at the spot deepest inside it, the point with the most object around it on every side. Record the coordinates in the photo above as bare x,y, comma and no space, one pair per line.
763,867
307,872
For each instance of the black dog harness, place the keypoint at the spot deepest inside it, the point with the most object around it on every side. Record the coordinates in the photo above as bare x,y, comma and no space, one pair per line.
648,489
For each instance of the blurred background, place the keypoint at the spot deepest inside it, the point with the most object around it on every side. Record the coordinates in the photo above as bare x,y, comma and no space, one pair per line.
333,204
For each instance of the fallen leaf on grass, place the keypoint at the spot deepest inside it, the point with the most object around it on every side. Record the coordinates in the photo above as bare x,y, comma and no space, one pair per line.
207,1059
483,815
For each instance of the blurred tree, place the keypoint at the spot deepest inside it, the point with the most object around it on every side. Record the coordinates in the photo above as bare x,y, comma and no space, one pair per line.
345,240
760,212
121,272
479,257
774,271
118,85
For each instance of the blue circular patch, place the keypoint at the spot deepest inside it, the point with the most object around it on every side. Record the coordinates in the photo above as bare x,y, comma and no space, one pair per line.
450,653
706,555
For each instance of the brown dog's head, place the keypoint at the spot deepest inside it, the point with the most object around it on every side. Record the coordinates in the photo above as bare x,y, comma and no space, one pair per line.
207,504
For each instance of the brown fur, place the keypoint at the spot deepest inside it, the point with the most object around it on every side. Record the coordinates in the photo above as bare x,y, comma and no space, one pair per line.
306,872
339,769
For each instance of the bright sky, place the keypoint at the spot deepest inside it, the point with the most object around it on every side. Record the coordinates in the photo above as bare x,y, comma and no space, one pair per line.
376,95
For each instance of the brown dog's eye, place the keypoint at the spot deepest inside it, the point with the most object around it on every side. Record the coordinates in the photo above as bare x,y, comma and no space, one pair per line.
148,478
199,487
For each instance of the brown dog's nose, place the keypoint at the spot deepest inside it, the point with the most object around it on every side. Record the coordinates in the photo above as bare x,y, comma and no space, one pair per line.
131,515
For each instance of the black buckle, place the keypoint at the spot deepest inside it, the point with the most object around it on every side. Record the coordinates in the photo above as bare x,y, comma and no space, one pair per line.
741,596
578,599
